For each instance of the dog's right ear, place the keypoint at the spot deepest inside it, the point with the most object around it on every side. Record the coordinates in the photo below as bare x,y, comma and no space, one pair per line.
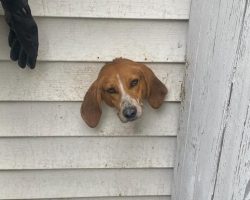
91,107
156,90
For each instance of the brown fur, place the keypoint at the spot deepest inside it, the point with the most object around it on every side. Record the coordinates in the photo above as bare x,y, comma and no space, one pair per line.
149,87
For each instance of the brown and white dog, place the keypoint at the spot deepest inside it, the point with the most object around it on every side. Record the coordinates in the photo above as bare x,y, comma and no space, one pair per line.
122,84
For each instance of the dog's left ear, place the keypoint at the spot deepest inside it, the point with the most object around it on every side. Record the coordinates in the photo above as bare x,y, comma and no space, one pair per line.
91,106
155,89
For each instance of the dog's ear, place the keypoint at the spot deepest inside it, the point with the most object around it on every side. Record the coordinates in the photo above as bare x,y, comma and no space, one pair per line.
91,106
155,89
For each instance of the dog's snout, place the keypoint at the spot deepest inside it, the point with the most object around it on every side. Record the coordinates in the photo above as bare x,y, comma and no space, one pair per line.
130,112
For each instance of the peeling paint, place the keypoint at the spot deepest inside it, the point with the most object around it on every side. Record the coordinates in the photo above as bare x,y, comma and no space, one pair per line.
247,191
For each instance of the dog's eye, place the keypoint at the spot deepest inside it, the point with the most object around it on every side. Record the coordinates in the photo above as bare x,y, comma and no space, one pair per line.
111,91
134,82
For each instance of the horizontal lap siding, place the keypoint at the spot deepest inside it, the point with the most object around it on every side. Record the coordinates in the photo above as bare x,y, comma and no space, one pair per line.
67,39
114,198
135,9
84,183
87,152
63,119
68,81
46,150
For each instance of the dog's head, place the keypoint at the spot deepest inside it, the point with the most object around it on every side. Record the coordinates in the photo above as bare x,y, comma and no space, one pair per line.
122,84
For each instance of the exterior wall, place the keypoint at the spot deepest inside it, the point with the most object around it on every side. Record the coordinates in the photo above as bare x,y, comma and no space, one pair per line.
46,151
213,144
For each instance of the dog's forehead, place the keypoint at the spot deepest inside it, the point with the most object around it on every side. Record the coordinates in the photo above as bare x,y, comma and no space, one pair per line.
121,68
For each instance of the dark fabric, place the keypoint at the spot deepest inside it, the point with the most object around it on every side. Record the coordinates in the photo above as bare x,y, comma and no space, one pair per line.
23,35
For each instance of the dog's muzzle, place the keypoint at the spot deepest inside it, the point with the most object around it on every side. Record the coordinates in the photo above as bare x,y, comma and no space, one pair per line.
130,111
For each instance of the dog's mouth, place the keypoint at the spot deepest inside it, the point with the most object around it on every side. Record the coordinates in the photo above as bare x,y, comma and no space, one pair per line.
125,120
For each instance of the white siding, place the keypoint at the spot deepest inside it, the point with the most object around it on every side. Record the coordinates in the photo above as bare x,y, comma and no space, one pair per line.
87,152
67,39
46,150
135,9
62,119
116,198
68,81
84,183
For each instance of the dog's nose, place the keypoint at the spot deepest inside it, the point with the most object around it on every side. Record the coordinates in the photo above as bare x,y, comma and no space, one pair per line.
130,112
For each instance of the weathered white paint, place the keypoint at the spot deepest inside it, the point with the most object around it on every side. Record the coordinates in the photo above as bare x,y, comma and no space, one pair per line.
213,144
84,183
117,198
141,9
87,152
68,81
63,119
234,166
64,39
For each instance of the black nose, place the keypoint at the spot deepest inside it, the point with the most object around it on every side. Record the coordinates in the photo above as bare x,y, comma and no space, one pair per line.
130,112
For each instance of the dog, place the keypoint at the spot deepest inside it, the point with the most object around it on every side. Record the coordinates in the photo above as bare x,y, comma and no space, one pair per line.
122,84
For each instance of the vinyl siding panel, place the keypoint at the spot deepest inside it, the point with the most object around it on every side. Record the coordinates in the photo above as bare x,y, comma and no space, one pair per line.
84,183
115,198
134,9
68,81
67,39
63,119
87,152
46,150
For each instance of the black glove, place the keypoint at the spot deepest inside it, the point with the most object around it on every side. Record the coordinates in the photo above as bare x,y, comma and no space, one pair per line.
23,35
